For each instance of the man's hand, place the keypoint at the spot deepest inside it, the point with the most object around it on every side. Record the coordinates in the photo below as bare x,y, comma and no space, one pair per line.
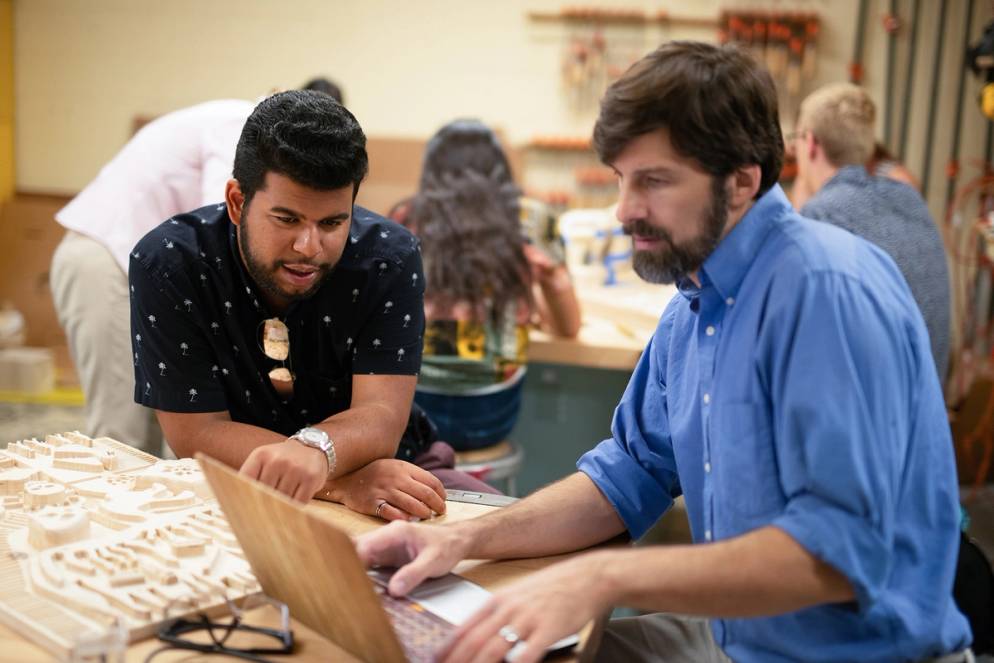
537,611
290,467
421,552
390,489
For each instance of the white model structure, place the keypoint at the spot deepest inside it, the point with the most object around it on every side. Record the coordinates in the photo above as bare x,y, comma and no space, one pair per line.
101,542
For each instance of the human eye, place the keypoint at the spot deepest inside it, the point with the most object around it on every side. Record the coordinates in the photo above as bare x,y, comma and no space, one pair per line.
332,223
282,218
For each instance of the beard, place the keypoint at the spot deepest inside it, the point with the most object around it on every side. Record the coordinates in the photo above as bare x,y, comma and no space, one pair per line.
265,276
672,261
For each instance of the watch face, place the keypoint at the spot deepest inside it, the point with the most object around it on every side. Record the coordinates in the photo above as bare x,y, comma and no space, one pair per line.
313,435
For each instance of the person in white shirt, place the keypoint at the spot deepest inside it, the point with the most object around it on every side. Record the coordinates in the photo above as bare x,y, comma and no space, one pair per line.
177,162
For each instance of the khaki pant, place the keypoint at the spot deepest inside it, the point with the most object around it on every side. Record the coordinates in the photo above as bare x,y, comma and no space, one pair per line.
91,300
659,637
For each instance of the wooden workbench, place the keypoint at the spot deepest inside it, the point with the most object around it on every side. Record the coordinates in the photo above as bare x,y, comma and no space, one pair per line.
309,645
618,321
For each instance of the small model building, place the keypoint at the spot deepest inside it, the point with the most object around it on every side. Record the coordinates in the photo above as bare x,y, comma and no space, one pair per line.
100,540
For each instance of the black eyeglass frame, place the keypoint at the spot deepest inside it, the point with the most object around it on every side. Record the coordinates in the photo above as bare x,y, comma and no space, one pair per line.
172,632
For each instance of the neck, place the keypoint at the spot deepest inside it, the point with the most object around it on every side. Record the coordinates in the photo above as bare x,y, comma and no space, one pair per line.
820,173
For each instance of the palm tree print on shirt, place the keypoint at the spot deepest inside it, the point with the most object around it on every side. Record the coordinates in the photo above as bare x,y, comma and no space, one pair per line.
193,395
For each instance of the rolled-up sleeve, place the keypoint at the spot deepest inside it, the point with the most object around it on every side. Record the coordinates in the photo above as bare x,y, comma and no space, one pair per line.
635,468
840,457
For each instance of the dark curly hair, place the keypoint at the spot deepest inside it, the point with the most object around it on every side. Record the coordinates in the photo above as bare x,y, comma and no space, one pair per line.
718,104
304,135
466,213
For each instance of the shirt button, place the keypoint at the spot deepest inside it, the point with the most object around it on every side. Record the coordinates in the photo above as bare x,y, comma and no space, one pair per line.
707,534
707,398
730,301
710,330
707,467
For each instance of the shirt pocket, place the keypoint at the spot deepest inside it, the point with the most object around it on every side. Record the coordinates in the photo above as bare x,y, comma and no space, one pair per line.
747,479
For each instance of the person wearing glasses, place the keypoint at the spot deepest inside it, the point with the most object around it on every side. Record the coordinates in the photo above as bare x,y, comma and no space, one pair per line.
834,138
281,330
788,393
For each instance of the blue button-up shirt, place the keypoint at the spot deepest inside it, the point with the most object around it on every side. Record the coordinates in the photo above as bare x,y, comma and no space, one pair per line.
795,388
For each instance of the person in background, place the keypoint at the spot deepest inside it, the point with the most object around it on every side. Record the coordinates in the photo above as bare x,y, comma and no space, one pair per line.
787,393
175,163
494,266
834,138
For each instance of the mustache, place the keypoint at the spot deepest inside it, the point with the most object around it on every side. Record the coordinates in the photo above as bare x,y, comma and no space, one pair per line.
642,228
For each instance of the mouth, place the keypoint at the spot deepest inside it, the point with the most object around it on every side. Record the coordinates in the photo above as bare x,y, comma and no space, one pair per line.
300,274
645,242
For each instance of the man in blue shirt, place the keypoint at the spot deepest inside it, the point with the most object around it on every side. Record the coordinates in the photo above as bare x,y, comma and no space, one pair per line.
832,140
789,394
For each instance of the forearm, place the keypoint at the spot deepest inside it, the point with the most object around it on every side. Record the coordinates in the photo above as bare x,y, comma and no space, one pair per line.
764,572
569,515
228,441
561,310
361,435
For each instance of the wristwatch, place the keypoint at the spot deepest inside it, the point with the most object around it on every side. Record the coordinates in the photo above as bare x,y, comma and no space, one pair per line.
317,439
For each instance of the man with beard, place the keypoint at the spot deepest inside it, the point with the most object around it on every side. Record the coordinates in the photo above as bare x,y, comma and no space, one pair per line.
788,394
281,331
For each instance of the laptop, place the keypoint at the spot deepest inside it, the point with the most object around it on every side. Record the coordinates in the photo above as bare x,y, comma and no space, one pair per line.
305,561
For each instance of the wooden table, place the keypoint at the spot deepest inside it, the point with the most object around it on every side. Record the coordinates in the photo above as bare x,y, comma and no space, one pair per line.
309,645
618,321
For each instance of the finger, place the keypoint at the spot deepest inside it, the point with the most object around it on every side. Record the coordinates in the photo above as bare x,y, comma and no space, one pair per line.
475,619
391,513
286,485
387,546
425,494
304,493
252,466
428,479
405,502
481,638
426,564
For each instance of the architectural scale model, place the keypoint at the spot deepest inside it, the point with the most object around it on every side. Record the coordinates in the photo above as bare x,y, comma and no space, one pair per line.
101,542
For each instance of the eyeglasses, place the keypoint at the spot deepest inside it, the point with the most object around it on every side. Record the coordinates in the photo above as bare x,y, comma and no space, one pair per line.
794,135
234,638
276,345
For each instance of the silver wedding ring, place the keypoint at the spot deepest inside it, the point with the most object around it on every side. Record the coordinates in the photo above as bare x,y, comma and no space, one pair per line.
378,507
509,635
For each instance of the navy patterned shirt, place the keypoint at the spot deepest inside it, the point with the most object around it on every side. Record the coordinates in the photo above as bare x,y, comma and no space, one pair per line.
197,319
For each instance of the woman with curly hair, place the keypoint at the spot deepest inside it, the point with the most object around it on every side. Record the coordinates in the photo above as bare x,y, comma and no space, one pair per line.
493,266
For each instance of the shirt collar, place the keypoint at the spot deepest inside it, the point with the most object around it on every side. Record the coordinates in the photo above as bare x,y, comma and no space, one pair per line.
846,175
727,265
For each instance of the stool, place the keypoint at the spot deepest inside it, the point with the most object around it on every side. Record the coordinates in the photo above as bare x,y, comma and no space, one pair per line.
498,462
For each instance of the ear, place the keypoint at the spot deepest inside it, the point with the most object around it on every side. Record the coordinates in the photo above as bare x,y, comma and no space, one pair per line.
811,146
235,200
744,184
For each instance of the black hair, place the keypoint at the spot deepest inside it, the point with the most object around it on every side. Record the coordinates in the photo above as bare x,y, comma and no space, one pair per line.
304,135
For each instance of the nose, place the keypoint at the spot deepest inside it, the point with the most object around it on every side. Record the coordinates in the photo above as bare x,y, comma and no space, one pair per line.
306,241
631,203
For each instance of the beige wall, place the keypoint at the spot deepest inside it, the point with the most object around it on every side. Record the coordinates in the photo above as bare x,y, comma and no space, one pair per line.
85,68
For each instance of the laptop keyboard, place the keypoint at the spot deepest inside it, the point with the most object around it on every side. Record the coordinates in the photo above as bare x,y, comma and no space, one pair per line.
420,632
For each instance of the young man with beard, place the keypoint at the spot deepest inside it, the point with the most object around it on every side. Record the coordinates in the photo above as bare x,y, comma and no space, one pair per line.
788,394
281,331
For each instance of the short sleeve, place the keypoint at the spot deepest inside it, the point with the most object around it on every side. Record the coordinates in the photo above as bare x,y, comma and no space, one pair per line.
391,340
175,366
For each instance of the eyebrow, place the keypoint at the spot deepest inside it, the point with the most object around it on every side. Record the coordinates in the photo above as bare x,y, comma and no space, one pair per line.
344,216
652,170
